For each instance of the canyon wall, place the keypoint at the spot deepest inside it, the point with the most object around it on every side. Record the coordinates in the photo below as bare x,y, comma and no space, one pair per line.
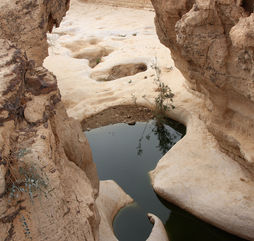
48,181
212,44
26,23
210,172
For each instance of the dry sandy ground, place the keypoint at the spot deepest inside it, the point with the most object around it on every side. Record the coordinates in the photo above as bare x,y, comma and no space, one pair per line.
117,42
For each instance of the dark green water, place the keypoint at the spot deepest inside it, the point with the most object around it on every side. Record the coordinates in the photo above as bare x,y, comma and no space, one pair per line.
126,154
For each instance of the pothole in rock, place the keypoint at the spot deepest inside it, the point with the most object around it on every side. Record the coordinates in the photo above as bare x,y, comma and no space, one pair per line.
121,151
80,44
94,55
128,114
119,71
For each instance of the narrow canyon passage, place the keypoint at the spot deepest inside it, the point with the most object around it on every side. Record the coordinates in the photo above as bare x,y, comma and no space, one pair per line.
104,57
112,71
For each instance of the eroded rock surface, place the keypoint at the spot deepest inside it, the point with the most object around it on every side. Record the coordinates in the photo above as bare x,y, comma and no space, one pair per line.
48,182
211,43
158,231
26,22
111,199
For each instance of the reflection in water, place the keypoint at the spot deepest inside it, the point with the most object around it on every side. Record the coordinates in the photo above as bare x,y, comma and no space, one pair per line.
166,138
115,154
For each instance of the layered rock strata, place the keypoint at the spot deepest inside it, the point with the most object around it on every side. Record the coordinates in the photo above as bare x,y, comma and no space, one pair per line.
48,182
44,182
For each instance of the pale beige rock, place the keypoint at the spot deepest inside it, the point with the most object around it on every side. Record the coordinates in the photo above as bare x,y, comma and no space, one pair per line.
242,33
26,23
196,161
131,39
35,109
110,200
200,40
199,178
211,43
158,231
71,135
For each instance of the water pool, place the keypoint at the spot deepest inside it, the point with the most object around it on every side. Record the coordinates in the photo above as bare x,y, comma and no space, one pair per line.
126,153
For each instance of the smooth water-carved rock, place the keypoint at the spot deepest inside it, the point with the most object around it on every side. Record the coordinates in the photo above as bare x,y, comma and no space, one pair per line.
211,43
110,200
94,55
119,71
123,3
158,231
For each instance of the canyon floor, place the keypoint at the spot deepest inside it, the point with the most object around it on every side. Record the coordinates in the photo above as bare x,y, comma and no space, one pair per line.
105,57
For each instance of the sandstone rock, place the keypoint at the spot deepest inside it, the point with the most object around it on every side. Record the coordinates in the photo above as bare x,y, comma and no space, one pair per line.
71,135
242,34
47,196
111,199
198,177
44,195
26,22
158,231
35,109
2,179
195,174
211,43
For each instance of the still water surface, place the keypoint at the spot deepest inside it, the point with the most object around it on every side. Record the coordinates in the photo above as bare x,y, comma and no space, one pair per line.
126,154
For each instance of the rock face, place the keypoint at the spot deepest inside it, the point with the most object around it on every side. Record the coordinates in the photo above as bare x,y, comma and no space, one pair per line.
212,44
26,22
48,182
